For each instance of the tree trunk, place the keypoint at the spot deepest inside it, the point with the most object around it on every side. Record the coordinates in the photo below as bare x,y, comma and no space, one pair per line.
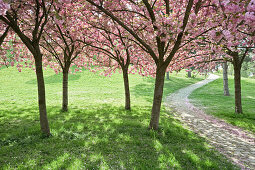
41,96
127,92
189,74
238,95
110,62
65,90
225,79
158,94
167,75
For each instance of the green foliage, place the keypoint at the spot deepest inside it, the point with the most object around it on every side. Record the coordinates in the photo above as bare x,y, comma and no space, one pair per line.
96,133
248,69
212,99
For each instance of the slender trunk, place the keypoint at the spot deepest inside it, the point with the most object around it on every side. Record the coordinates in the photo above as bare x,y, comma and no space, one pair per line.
167,75
225,79
41,96
2,37
216,68
65,90
126,85
238,95
158,94
189,74
110,62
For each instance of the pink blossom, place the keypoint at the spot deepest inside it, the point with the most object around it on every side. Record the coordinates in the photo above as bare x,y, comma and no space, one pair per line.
4,7
64,1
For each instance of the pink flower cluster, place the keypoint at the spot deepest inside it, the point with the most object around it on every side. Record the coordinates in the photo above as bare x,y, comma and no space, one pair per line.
4,7
250,15
65,1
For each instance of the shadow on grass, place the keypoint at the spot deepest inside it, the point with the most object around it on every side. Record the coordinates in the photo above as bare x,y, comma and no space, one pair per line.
56,78
101,137
212,99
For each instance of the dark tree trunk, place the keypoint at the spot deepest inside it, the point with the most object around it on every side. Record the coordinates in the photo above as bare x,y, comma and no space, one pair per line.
2,37
238,95
65,90
158,94
167,75
225,79
110,62
189,74
126,85
41,96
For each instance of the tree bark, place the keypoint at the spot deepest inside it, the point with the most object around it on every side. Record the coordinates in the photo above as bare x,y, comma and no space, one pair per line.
238,95
65,90
225,79
189,74
167,75
2,37
127,91
158,94
41,96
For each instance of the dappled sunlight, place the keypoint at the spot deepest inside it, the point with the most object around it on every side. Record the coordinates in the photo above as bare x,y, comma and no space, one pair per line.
58,162
167,161
95,135
192,156
77,164
92,138
250,97
96,157
157,145
124,137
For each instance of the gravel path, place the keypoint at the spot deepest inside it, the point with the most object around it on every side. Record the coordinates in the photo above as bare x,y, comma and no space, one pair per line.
235,143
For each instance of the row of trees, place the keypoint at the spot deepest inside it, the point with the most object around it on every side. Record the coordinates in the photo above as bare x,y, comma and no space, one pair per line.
150,37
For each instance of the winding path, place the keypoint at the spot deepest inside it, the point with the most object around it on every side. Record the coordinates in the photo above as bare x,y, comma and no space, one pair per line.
235,143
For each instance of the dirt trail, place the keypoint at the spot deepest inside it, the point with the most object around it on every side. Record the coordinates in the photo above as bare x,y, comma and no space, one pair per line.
235,143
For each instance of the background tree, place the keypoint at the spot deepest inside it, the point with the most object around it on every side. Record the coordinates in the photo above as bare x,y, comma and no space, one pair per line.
234,37
225,78
109,42
60,40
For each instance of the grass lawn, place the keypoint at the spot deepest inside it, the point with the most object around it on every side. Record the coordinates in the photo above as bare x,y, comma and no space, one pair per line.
96,133
212,99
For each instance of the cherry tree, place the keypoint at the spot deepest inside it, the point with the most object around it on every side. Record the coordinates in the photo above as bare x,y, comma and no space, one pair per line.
225,78
233,38
61,44
28,19
109,41
237,36
161,29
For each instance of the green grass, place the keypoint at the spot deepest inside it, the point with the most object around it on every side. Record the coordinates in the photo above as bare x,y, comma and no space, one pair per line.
96,133
212,99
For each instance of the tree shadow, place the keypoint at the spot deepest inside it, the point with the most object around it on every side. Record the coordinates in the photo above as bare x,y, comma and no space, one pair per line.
212,99
102,136
55,78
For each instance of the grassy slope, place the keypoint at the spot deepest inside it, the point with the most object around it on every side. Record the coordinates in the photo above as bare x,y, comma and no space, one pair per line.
97,132
211,97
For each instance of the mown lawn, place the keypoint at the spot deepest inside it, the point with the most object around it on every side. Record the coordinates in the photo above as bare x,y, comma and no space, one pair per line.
212,99
96,133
